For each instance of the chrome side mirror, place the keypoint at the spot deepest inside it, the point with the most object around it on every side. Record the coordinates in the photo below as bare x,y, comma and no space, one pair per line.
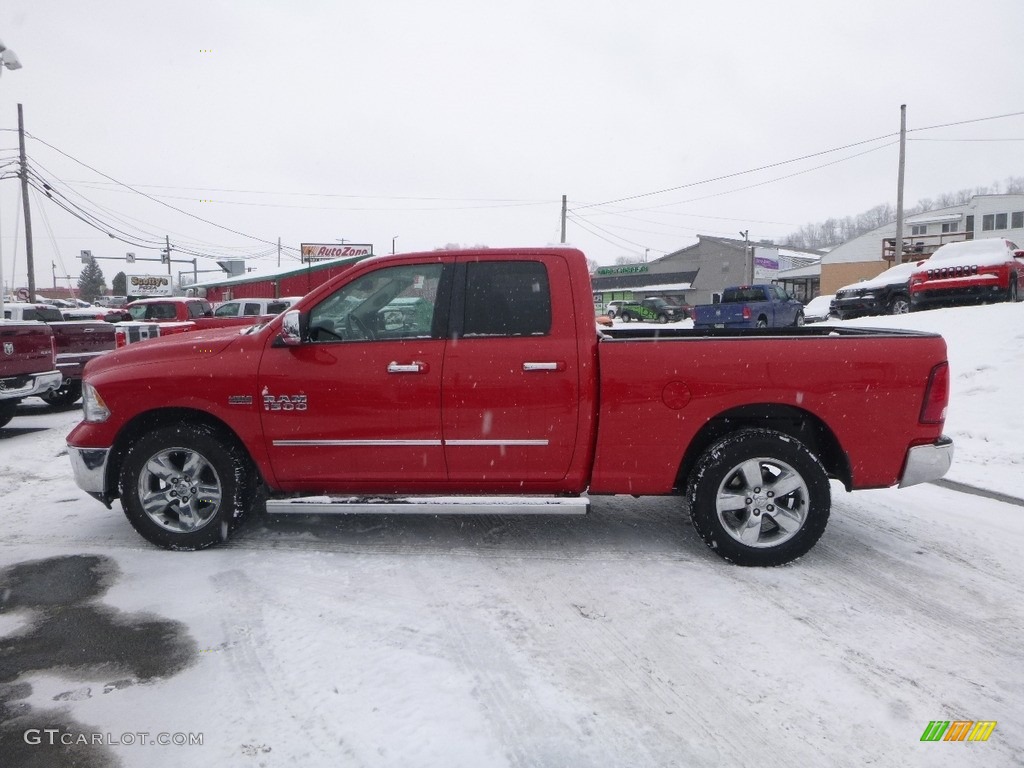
291,328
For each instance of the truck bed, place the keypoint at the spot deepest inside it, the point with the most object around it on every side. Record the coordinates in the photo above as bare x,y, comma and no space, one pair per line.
859,382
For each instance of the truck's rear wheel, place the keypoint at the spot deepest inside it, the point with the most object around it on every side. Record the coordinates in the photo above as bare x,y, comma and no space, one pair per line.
762,322
66,394
759,497
7,410
186,486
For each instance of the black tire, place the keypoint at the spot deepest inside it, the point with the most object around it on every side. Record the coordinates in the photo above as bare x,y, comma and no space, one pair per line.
762,322
155,477
663,318
8,408
626,317
65,395
799,320
732,487
1012,295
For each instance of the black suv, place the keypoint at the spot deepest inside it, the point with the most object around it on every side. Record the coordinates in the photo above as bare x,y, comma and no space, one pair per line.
886,294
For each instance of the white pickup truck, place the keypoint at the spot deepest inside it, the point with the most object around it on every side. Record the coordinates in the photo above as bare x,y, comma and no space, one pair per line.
254,307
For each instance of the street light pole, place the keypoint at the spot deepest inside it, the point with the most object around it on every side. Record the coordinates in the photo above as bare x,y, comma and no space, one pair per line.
393,244
8,60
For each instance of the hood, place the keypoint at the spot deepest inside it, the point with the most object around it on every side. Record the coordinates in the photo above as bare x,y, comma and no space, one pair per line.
190,346
898,275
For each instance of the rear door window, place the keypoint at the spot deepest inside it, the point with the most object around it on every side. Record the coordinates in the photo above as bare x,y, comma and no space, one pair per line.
507,298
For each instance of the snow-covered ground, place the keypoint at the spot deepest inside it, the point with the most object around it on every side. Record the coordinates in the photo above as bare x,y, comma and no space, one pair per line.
616,639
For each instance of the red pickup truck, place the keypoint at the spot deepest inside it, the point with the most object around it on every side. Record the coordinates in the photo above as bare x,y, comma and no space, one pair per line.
27,365
76,341
497,394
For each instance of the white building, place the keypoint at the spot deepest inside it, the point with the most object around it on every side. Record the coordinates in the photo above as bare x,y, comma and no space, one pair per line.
873,252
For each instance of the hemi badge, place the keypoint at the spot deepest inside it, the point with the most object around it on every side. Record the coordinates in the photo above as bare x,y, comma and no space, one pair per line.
240,400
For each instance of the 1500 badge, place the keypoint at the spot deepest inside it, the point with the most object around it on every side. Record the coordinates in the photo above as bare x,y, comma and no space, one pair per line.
283,402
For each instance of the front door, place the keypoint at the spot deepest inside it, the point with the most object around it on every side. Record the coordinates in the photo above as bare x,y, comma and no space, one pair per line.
357,406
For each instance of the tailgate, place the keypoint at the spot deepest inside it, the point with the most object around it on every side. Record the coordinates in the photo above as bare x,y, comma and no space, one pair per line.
25,349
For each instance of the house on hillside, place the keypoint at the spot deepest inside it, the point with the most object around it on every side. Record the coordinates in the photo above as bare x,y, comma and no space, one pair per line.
874,252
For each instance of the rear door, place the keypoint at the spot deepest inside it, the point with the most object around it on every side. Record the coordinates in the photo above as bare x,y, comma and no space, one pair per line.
511,390
358,405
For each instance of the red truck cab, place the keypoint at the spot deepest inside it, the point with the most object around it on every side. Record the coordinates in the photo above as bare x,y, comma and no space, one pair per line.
476,381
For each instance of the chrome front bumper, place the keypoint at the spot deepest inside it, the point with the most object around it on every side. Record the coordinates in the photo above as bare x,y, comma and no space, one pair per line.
90,468
927,462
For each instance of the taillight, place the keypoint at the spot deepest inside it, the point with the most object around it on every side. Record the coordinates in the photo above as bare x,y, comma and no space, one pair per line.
936,395
746,313
120,338
53,348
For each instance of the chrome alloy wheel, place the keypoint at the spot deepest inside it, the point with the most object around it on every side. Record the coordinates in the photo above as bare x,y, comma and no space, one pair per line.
179,490
762,502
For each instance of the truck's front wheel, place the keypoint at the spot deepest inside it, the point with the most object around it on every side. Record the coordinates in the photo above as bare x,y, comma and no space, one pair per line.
759,497
185,486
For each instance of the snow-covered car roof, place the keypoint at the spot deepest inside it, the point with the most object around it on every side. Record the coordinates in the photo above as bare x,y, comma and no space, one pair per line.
818,306
899,274
985,252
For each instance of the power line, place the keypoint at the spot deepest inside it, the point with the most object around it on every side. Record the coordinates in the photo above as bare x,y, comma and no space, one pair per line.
150,197
797,159
513,201
966,122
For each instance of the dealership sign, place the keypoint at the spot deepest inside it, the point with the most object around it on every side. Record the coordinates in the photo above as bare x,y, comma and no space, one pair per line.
149,285
326,251
628,269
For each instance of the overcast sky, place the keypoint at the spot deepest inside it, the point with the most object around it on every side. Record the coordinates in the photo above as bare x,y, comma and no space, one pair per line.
465,121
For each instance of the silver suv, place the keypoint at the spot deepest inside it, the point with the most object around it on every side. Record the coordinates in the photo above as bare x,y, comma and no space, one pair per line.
613,308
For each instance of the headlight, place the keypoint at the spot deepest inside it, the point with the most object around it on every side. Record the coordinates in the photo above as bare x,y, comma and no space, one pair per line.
93,407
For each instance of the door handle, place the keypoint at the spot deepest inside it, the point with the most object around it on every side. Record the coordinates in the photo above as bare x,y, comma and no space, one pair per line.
534,366
414,367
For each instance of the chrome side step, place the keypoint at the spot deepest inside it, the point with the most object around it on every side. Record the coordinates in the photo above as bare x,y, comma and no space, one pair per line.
430,505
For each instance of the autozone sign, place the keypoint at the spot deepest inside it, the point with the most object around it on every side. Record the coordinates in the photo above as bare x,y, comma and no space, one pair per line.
149,285
325,251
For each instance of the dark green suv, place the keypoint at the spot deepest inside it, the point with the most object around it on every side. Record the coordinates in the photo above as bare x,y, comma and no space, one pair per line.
651,310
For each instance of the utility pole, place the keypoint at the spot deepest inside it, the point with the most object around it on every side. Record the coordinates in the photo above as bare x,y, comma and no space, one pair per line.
279,251
565,210
748,263
28,216
168,239
897,252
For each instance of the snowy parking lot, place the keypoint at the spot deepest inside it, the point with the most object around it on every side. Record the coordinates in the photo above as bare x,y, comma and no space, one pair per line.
615,639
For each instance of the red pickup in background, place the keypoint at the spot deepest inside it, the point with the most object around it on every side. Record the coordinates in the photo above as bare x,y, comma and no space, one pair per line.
27,364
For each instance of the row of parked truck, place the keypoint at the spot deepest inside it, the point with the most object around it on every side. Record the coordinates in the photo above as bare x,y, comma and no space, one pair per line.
45,348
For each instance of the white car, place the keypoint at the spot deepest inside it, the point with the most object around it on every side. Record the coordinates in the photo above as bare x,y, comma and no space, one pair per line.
254,307
819,308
